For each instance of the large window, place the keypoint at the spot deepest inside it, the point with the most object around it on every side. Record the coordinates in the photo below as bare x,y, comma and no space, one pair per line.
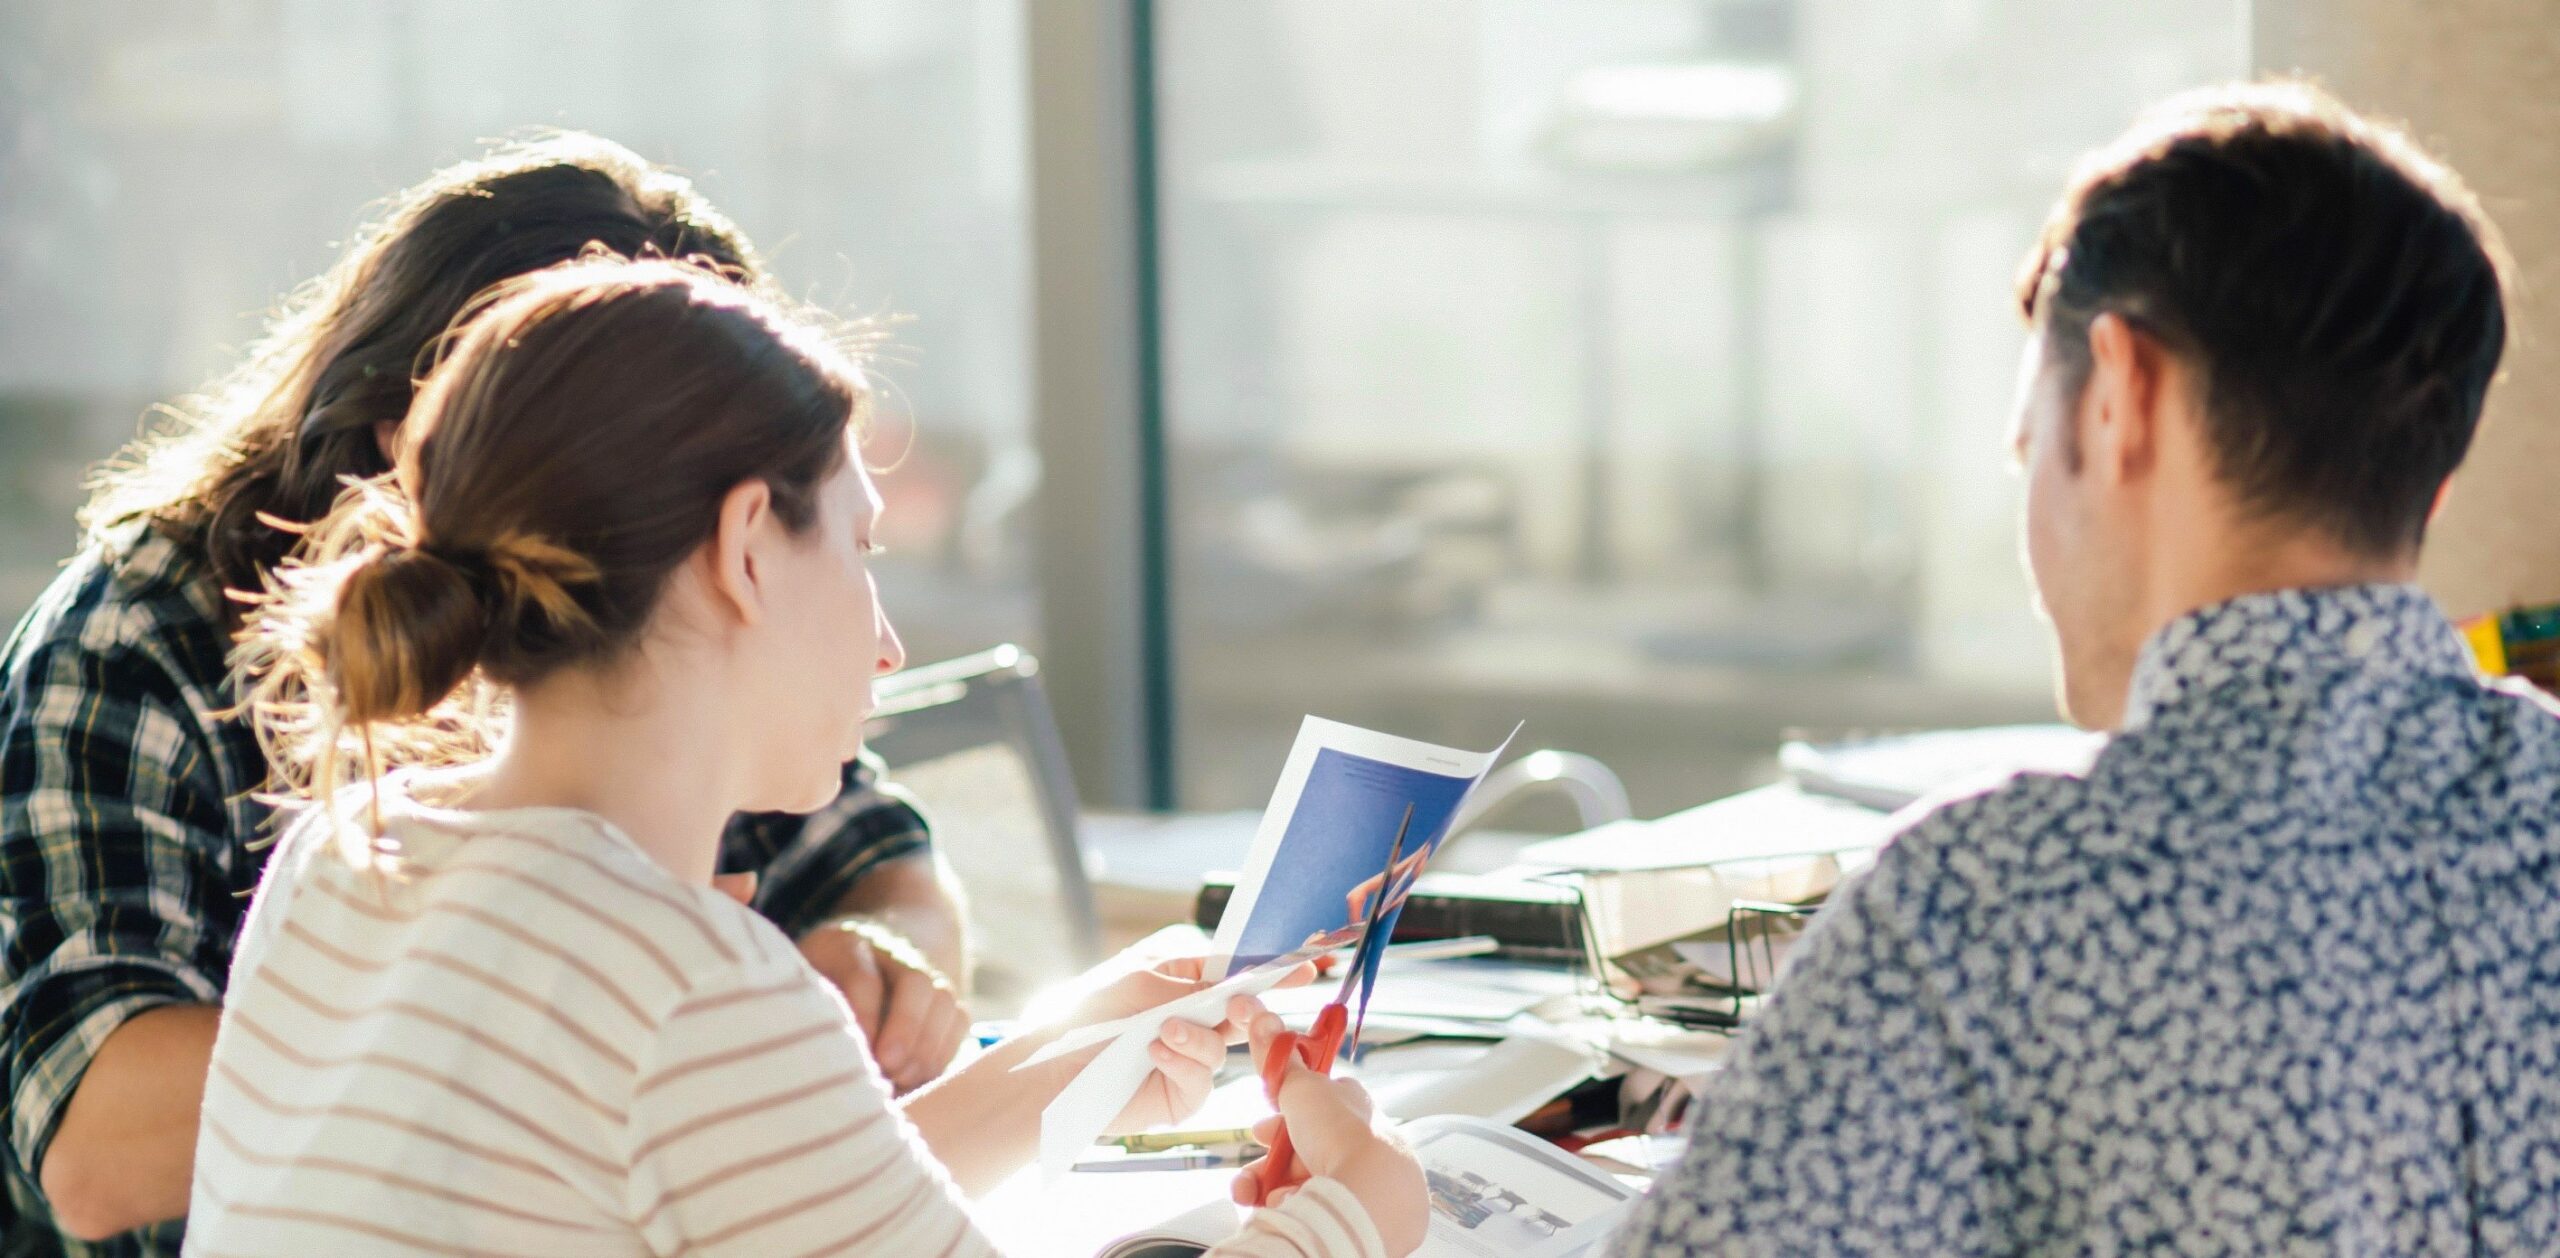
1636,367
172,168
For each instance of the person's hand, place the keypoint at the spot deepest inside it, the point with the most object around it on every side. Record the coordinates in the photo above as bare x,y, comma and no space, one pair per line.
1186,1057
908,1012
1162,967
1159,969
1336,1135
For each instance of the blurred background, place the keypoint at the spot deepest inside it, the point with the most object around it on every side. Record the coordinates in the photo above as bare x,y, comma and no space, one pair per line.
1635,368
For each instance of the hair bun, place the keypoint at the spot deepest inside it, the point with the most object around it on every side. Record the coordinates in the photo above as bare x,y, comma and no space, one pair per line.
526,582
534,571
410,625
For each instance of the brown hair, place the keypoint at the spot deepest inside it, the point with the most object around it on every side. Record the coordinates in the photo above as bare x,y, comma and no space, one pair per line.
275,440
572,449
2338,291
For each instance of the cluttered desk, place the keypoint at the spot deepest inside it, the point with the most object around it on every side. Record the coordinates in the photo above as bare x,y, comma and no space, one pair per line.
1538,1030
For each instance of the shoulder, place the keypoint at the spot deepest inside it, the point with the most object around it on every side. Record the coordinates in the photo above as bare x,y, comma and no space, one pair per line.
132,615
869,821
2517,724
114,688
1957,857
755,1031
879,808
569,886
870,800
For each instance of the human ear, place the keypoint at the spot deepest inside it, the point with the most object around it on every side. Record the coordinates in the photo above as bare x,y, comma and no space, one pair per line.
736,575
2120,409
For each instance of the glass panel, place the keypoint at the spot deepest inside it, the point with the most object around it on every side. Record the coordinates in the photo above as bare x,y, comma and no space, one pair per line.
173,167
1640,368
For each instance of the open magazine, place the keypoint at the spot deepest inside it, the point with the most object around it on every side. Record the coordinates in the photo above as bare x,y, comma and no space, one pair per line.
1495,1193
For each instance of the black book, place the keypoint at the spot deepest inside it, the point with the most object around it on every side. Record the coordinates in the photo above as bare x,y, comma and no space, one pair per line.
1531,921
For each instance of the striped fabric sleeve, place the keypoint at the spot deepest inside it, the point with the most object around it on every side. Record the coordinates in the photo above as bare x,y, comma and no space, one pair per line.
806,864
1320,1220
113,899
758,1125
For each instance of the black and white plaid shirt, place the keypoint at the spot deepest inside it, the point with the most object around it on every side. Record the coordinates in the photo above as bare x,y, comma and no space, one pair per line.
126,818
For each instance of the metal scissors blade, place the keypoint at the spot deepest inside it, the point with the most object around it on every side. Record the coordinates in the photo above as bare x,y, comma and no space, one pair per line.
1369,941
1373,938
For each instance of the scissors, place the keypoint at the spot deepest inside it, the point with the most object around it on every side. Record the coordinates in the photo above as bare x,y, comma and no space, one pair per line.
1322,1042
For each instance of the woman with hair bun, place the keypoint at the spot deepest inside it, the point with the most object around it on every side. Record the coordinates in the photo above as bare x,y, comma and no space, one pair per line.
133,814
488,999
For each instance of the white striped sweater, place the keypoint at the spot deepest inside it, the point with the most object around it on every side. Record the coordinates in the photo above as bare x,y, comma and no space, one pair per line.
534,1041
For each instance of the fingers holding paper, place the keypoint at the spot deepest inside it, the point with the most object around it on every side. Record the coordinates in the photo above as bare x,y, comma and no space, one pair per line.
1153,972
1185,1057
1115,1060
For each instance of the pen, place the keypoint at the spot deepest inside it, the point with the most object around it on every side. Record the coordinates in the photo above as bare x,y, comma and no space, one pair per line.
1185,1160
1160,1141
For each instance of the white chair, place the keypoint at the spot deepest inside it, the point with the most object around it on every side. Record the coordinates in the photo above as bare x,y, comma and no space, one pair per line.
1597,796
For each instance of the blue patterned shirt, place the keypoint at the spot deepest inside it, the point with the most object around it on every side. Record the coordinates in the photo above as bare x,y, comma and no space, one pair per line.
2280,974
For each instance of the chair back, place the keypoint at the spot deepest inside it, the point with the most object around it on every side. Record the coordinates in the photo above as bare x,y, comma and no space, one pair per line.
974,741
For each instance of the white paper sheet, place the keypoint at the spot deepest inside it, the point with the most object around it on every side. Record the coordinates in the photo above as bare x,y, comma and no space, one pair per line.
1211,1000
1503,1082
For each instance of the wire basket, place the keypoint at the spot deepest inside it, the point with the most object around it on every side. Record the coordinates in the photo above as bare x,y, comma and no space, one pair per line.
1754,933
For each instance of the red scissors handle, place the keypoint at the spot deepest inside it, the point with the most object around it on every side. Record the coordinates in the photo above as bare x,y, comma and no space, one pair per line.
1319,1045
1316,1048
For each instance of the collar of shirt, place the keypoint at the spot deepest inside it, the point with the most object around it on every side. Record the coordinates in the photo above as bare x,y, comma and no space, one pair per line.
2382,628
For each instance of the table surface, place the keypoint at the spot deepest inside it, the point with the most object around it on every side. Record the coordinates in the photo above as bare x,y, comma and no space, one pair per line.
1078,1215
1147,871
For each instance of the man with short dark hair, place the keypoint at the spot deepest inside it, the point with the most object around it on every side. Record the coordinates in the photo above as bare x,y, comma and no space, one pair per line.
2278,972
